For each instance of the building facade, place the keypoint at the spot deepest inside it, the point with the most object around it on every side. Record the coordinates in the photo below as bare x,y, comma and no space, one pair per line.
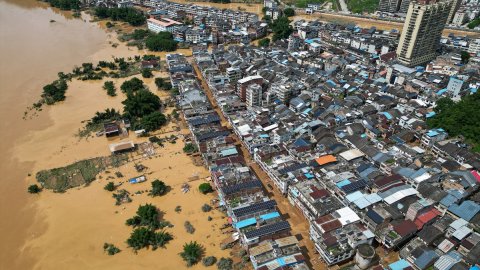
422,31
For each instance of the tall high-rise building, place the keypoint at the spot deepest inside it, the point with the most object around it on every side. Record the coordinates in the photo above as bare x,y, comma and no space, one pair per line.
422,31
390,6
455,6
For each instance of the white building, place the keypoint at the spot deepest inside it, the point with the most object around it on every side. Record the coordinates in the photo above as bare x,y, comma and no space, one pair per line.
162,25
254,95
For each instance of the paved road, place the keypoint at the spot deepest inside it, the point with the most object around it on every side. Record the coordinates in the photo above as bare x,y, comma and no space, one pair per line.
300,226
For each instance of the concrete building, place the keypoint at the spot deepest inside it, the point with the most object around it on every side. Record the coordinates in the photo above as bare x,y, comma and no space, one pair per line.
390,6
422,31
254,95
454,86
460,18
404,6
455,6
162,25
474,46
234,74
244,83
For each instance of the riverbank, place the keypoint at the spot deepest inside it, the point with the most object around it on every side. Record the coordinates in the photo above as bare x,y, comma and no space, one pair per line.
67,231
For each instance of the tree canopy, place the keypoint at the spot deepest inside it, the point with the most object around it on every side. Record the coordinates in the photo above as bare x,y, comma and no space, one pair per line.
205,188
281,28
125,14
147,215
143,237
65,4
192,253
141,103
132,85
54,92
461,118
153,121
264,42
162,41
289,12
159,188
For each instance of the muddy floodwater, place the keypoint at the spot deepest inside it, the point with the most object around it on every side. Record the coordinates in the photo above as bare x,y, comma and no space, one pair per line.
68,230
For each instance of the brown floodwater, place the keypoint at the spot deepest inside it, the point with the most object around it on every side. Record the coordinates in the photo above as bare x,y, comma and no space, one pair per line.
32,51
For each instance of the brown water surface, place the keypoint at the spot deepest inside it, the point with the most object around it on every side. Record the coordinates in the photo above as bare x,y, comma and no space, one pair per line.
32,51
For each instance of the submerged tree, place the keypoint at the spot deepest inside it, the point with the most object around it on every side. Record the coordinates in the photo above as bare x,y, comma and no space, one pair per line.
192,253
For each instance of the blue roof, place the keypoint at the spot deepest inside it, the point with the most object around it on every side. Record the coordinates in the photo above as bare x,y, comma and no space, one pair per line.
432,133
264,136
374,216
467,210
399,265
440,92
430,114
308,175
388,115
476,267
301,142
229,152
343,183
245,223
331,83
425,259
270,215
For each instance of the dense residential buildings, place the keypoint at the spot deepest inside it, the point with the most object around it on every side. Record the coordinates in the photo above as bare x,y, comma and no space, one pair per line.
162,25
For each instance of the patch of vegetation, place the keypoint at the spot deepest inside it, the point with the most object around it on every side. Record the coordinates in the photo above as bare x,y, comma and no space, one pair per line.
110,249
225,264
209,261
304,3
34,189
264,42
65,4
190,148
133,85
147,73
289,12
459,118
140,104
465,56
126,14
189,227
54,92
192,253
122,196
110,186
108,115
178,209
110,87
206,208
144,237
160,42
361,6
205,188
79,173
474,23
281,28
159,188
162,84
153,121
147,215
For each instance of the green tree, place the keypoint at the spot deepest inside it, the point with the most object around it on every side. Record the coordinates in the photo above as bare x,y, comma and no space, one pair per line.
474,23
264,42
65,4
139,34
225,264
132,85
209,261
189,148
153,121
141,103
205,188
33,189
140,238
162,41
110,186
162,84
110,87
126,14
465,57
289,12
159,188
147,215
192,253
54,92
281,28
147,73
110,249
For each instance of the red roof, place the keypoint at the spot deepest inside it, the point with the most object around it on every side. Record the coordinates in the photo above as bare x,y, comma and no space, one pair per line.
324,219
332,225
405,228
476,175
319,193
426,217
383,181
